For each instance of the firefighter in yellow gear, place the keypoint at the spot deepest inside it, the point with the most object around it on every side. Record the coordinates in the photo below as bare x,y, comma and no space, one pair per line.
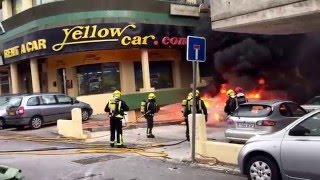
116,108
187,109
231,104
149,110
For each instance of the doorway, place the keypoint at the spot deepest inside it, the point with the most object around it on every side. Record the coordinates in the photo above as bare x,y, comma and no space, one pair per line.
62,81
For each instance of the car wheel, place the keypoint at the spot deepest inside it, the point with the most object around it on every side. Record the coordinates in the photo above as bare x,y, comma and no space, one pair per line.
36,122
262,167
85,115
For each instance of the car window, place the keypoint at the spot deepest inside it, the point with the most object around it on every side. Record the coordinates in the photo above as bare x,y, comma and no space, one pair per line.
15,101
33,101
296,110
254,111
49,99
284,111
314,101
312,124
62,99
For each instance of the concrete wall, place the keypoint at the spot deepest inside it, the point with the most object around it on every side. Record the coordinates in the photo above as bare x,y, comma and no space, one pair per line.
229,8
266,17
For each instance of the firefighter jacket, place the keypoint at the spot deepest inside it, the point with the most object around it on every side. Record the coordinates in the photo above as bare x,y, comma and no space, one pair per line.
116,108
200,107
151,108
231,105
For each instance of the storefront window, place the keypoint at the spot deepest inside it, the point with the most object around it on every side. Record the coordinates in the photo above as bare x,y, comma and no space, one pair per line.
16,6
98,78
1,13
4,83
160,74
38,2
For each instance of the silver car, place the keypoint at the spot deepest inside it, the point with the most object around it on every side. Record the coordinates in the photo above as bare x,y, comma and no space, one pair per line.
261,117
38,109
312,104
292,153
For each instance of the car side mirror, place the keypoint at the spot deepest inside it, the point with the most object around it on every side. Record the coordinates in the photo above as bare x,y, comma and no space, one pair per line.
299,131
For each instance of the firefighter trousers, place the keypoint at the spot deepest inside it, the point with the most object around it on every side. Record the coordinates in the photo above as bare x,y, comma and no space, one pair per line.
116,129
187,128
149,124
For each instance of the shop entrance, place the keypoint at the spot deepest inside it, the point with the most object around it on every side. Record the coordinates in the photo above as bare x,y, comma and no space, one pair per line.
62,81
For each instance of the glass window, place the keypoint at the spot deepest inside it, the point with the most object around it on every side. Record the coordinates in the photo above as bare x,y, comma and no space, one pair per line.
296,110
98,78
15,101
16,6
38,2
310,125
1,13
254,111
62,99
160,74
49,99
284,111
33,101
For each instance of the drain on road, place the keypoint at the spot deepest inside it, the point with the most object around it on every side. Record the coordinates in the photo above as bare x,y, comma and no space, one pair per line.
93,160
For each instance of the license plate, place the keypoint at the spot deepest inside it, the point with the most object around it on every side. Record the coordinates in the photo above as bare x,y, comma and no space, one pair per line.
12,113
245,125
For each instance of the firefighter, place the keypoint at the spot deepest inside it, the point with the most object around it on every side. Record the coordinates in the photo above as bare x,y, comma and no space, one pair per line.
116,107
185,113
230,103
150,109
240,97
200,108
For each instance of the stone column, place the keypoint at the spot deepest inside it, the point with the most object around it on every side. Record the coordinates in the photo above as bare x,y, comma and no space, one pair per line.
26,4
127,77
177,74
145,72
14,78
35,75
6,9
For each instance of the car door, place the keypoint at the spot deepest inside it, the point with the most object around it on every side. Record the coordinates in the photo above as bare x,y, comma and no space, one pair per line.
300,151
50,110
65,106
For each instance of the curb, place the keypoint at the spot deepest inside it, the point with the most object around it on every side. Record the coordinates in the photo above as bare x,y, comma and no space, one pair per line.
134,126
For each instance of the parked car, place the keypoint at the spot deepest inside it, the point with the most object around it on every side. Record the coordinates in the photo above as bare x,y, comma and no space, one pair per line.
36,110
4,101
312,104
261,117
292,153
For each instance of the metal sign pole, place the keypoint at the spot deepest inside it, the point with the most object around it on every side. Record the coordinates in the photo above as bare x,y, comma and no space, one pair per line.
193,138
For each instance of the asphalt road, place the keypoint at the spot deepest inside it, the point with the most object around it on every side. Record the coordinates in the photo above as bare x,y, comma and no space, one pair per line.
100,166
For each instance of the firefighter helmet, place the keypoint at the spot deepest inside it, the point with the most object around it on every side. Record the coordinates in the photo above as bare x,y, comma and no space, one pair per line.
151,96
239,90
190,95
230,92
116,94
197,93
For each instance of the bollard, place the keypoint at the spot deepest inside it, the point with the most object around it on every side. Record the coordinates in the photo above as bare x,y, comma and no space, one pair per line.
8,173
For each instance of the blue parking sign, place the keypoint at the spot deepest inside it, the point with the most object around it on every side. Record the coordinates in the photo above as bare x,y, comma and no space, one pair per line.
196,48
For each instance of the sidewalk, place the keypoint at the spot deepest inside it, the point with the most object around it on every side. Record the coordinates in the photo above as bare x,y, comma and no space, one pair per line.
101,122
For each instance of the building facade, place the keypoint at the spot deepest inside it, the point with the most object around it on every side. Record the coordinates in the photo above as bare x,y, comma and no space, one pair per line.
88,49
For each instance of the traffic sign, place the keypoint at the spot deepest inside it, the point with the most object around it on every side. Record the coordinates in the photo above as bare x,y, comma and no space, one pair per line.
196,48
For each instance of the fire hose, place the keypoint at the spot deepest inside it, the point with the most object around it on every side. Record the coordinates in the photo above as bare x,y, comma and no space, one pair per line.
88,148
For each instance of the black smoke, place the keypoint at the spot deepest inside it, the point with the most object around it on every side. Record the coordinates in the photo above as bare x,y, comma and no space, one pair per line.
288,63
